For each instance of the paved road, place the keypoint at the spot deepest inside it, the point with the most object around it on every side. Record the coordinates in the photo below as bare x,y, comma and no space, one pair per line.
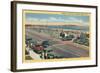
69,50
66,49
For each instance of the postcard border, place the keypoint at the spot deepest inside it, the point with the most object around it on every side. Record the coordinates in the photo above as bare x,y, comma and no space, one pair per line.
23,29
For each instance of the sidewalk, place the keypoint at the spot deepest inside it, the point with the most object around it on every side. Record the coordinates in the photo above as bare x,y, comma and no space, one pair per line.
33,54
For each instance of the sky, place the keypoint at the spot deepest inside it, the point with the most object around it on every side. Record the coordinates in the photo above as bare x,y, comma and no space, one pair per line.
31,17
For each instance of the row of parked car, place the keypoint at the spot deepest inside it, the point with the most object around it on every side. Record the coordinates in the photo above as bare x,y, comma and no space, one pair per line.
41,48
83,39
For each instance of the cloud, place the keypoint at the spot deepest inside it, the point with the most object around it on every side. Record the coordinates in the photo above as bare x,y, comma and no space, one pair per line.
75,19
78,20
59,19
53,19
32,19
50,19
43,20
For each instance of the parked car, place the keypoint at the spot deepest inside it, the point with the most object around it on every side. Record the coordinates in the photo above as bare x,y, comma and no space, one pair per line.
45,44
68,38
38,48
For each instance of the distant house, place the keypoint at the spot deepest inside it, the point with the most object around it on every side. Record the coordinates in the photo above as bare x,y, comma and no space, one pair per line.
63,34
